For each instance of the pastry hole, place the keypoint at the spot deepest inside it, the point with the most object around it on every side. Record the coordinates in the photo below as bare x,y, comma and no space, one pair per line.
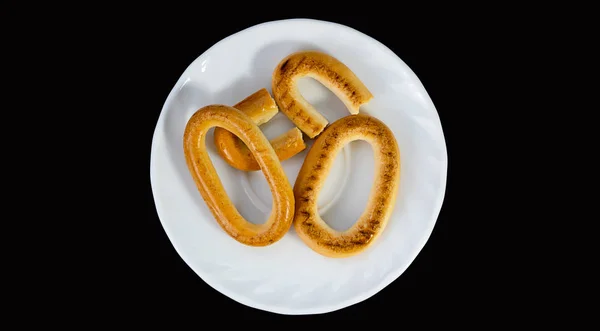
323,99
353,199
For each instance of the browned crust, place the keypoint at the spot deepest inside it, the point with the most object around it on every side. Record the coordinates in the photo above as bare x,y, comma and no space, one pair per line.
211,188
307,221
260,107
330,72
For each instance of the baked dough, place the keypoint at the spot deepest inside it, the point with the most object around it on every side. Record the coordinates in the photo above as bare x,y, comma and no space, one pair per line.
260,107
308,223
324,68
211,188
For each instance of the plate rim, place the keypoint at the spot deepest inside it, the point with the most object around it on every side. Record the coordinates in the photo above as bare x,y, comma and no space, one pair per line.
356,298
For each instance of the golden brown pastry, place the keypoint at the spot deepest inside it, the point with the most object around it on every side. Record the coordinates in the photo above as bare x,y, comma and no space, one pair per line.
307,222
261,108
324,68
211,188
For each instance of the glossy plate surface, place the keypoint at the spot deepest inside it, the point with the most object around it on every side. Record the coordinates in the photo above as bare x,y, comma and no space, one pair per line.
288,277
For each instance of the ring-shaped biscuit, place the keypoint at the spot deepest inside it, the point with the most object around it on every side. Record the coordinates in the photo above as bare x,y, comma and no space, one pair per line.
309,225
211,189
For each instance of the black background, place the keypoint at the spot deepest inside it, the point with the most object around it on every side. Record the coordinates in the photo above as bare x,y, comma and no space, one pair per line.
435,280
98,74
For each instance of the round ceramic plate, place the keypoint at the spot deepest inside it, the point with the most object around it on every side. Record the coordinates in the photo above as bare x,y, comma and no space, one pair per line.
288,277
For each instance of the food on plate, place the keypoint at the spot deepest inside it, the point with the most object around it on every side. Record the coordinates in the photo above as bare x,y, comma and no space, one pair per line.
326,69
211,189
241,143
260,107
308,223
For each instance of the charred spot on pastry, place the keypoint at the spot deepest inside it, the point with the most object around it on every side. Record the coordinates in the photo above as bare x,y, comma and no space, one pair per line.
318,166
282,68
312,177
332,244
322,156
309,188
360,241
305,212
305,199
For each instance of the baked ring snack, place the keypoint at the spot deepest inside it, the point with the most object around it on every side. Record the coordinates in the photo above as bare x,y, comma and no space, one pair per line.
260,107
211,188
308,223
327,70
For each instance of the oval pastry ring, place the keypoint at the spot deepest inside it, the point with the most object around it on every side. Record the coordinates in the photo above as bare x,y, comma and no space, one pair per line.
211,189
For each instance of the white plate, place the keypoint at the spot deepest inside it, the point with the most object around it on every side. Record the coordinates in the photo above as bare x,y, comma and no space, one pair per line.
288,277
